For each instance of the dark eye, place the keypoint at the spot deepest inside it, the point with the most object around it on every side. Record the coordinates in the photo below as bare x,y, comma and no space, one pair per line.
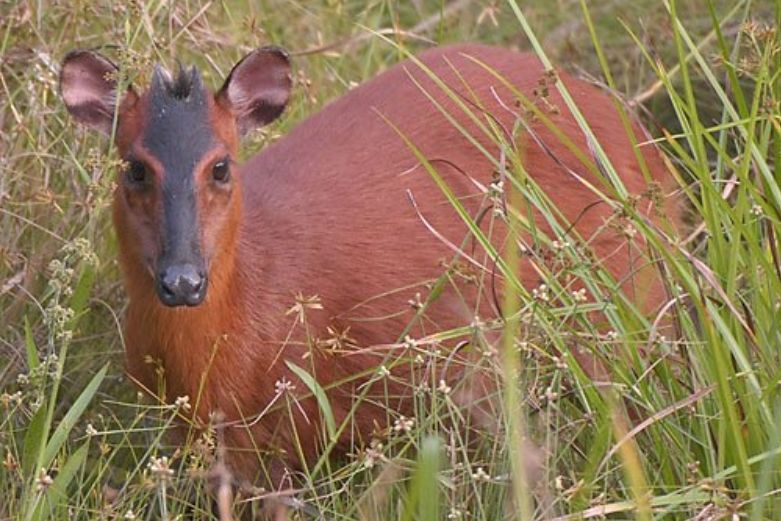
136,172
221,171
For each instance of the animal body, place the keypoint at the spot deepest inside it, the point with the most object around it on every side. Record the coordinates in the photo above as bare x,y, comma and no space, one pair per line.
315,251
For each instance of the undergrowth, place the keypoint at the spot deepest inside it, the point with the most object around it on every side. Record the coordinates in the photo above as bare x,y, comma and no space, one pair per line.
688,426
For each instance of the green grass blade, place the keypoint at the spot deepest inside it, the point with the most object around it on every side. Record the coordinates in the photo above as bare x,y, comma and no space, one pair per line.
71,417
320,396
29,345
423,492
33,441
56,496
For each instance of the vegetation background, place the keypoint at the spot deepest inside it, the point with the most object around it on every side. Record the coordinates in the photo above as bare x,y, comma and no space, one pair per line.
77,443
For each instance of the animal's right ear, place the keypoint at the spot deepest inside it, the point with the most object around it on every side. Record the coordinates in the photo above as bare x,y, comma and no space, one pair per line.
258,88
88,84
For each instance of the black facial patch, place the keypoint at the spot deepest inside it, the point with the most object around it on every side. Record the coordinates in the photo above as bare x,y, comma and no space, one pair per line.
178,133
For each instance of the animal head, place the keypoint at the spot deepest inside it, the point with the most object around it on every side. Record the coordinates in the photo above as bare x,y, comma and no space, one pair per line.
178,201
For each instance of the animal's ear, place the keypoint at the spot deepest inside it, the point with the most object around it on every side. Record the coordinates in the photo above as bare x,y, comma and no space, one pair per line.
258,88
88,84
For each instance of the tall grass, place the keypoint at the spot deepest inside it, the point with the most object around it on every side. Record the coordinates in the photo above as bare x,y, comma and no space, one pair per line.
689,427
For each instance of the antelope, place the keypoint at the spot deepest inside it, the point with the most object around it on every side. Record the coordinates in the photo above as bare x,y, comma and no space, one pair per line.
340,222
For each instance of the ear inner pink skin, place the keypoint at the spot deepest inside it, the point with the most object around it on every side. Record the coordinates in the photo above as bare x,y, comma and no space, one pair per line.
340,222
88,86
258,88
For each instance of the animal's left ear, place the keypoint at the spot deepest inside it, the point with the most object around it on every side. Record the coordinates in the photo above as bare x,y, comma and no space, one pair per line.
258,88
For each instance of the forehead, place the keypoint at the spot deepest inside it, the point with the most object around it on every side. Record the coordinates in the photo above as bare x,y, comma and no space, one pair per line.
178,129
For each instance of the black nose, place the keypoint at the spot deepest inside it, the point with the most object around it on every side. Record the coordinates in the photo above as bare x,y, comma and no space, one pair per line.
181,284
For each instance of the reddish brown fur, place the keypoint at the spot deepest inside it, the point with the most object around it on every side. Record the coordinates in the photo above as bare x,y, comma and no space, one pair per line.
324,212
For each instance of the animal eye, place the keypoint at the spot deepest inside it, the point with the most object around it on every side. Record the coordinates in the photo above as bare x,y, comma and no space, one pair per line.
136,172
221,171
